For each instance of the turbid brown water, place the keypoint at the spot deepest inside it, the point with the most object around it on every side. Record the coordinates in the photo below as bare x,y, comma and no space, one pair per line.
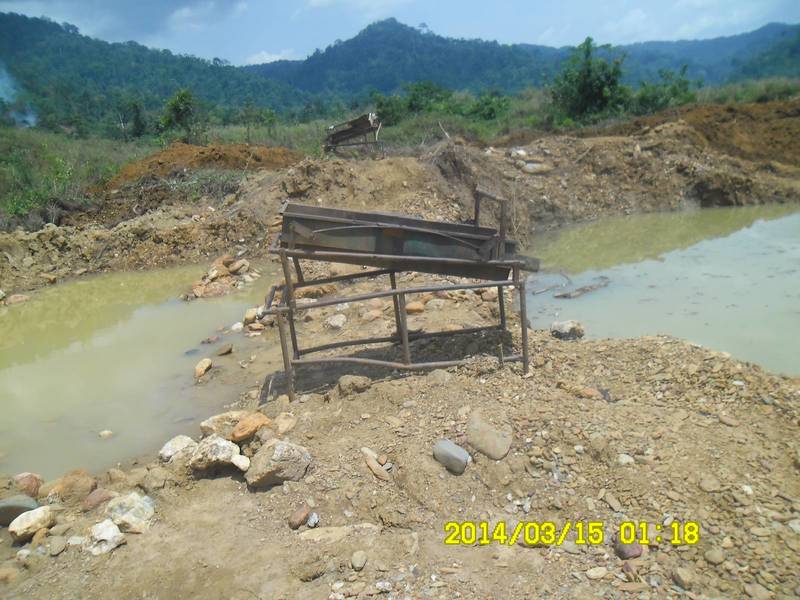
114,352
728,279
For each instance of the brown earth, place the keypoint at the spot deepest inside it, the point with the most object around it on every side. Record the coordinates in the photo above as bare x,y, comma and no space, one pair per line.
178,157
645,430
768,131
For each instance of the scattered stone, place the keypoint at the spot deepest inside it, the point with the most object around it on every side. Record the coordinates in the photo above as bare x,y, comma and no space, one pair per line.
104,537
23,527
56,545
625,459
612,501
299,517
566,330
728,420
377,469
439,377
277,461
596,573
225,350
250,316
313,520
202,368
215,451
132,512
11,508
487,438
285,422
223,423
489,295
106,434
683,577
247,426
8,574
353,384
358,560
452,456
627,551
709,483
17,299
28,483
180,444
96,498
336,321
76,540
333,535
715,556
73,486
757,591
239,267
535,168
415,308
155,479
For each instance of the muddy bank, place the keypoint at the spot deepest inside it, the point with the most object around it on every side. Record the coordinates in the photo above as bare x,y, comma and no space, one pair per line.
650,430
163,212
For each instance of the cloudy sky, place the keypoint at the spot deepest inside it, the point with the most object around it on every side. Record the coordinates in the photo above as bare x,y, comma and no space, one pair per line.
249,31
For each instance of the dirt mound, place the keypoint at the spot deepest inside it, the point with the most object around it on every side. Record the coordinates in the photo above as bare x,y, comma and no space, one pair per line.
768,131
177,157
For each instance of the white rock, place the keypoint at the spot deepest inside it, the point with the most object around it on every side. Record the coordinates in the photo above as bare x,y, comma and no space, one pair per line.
25,525
336,321
105,536
106,434
215,451
177,445
237,327
131,512
625,459
241,462
76,540
566,330
223,423
276,462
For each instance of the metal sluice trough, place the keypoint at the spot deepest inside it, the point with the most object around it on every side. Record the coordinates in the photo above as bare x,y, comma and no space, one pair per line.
391,244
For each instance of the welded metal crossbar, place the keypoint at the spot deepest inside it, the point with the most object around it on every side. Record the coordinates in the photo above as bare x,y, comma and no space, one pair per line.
345,134
391,244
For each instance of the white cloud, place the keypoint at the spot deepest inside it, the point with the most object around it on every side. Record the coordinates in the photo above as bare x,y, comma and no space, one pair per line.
267,57
372,9
192,18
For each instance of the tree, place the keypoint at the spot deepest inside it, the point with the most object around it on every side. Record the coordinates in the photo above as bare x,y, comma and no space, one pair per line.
674,89
589,85
138,124
179,111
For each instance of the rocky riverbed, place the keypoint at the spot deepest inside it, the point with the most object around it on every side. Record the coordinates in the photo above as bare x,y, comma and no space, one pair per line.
345,492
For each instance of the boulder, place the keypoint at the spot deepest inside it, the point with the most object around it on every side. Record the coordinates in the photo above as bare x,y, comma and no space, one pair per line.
451,455
358,560
222,424
250,316
131,512
104,537
215,451
56,545
276,462
491,437
299,517
415,308
28,523
247,426
225,349
28,484
202,368
180,444
566,330
336,321
285,422
11,508
96,498
239,267
71,487
353,384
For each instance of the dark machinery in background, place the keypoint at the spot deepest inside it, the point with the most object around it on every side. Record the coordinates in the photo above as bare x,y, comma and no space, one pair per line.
391,244
361,131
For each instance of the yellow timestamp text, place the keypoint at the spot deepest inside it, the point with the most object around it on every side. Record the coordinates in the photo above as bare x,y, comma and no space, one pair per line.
549,533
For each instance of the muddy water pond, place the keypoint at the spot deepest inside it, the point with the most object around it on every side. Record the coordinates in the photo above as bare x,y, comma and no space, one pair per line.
727,278
113,352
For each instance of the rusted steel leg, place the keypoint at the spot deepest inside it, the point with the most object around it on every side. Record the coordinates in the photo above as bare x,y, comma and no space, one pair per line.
502,304
287,275
393,281
523,317
297,269
401,301
287,360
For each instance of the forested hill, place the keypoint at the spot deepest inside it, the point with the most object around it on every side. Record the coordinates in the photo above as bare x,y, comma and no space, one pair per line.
67,76
387,54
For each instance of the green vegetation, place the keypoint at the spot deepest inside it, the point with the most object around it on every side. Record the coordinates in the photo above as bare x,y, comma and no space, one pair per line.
42,174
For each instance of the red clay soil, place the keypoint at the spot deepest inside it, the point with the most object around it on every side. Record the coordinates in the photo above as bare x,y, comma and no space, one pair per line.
768,131
178,156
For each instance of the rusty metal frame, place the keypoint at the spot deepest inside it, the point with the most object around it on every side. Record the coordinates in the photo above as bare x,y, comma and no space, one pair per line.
287,308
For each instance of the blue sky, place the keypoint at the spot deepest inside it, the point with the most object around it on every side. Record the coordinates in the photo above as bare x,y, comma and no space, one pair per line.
248,31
